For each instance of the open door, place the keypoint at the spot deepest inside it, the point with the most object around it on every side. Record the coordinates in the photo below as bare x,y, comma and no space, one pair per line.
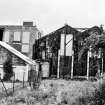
1,34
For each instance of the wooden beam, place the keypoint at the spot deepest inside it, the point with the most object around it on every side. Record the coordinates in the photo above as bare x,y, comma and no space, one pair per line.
72,65
64,52
58,64
102,61
64,46
88,65
69,41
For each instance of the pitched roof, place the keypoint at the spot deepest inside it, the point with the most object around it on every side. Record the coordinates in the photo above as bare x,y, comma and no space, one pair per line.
65,29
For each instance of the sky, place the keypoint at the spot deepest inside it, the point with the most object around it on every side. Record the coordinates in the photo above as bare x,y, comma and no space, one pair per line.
49,15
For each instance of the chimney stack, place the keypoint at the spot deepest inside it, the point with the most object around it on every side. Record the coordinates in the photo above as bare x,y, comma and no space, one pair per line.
27,23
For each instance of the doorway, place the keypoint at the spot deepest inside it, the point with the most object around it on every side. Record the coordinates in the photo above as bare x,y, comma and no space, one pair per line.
1,34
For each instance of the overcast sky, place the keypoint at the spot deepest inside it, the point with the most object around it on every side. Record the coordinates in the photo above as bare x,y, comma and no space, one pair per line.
50,15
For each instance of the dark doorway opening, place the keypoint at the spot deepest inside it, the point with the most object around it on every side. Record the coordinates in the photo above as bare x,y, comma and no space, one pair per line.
1,34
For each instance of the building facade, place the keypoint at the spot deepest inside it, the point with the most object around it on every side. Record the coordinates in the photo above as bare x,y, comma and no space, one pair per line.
56,49
20,37
60,49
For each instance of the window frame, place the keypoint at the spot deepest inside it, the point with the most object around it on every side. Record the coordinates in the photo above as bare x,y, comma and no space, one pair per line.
25,50
4,36
14,36
23,37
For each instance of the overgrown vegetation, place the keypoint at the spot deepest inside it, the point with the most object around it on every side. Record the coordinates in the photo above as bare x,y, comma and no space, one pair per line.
52,92
60,92
7,68
95,41
97,98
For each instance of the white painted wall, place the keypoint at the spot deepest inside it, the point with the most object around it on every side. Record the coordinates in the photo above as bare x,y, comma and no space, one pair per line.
19,71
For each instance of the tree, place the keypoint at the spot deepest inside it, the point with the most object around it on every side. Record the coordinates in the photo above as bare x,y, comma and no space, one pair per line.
95,41
96,45
7,68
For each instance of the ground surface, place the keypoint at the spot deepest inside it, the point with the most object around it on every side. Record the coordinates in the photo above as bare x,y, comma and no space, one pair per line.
52,92
7,85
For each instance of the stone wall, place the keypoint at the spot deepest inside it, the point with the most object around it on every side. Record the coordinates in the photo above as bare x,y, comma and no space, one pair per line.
18,46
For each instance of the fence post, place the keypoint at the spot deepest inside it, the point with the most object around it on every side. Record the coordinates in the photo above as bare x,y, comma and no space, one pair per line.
13,81
3,86
72,65
58,64
23,77
102,62
88,66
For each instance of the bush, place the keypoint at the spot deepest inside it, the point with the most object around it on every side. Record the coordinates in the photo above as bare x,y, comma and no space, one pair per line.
97,98
7,68
99,95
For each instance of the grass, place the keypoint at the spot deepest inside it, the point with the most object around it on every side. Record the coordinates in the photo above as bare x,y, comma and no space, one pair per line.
53,92
69,91
8,85
8,90
97,97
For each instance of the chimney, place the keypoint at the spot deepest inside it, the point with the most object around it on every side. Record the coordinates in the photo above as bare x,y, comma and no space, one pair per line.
30,23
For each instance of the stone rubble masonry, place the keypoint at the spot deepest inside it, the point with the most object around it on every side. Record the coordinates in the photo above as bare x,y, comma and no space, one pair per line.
33,35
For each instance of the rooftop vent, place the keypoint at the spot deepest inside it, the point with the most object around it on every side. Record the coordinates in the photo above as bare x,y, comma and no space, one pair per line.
27,23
